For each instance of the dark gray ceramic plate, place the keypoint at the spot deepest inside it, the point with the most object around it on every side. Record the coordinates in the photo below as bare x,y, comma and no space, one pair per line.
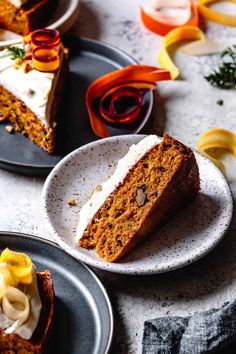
83,313
88,60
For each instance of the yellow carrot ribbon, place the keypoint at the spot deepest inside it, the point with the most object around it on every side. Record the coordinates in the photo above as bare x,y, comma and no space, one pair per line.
217,138
184,33
215,16
19,265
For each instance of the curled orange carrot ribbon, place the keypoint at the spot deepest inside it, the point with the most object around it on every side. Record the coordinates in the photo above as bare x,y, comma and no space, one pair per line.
127,82
45,59
45,45
158,22
122,104
46,37
43,37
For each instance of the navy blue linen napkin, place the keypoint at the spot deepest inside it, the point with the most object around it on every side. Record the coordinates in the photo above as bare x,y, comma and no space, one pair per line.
212,331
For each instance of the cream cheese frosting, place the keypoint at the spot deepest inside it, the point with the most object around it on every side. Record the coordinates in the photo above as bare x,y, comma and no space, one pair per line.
32,88
99,196
18,3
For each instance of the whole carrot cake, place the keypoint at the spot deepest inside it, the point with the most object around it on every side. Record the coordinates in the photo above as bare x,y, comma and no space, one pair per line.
23,16
150,184
31,89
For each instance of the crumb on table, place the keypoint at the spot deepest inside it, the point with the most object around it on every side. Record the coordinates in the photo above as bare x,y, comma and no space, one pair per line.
9,129
72,202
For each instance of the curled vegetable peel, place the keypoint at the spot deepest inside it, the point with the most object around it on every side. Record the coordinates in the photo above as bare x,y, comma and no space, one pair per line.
113,114
15,305
43,37
217,138
45,45
15,268
207,47
179,34
7,276
216,16
45,59
127,81
158,22
19,264
20,302
46,37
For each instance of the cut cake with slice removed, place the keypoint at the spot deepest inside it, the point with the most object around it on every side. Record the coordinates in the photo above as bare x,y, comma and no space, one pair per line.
40,342
161,179
31,99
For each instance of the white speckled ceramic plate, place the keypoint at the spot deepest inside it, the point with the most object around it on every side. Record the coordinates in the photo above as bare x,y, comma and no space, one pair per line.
63,18
187,237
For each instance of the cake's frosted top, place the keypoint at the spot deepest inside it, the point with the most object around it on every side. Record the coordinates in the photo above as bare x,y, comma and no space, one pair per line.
135,153
32,87
18,3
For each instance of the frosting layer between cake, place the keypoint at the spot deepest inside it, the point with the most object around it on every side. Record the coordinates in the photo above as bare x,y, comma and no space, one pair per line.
99,196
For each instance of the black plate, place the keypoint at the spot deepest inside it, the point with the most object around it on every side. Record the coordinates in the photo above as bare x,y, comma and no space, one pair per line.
88,60
83,313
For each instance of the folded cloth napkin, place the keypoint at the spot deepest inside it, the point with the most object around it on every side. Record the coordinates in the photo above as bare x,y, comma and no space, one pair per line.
212,331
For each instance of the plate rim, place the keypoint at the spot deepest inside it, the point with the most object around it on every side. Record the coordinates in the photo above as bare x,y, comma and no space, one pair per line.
63,23
69,16
95,276
103,266
44,170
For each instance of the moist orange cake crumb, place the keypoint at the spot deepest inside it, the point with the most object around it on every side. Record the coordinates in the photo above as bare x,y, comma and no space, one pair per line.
25,121
153,191
26,16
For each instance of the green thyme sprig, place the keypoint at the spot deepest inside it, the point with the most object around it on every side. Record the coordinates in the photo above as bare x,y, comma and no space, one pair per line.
17,53
225,76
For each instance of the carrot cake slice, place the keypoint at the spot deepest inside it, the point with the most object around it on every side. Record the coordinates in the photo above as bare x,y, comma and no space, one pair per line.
31,89
150,185
23,16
